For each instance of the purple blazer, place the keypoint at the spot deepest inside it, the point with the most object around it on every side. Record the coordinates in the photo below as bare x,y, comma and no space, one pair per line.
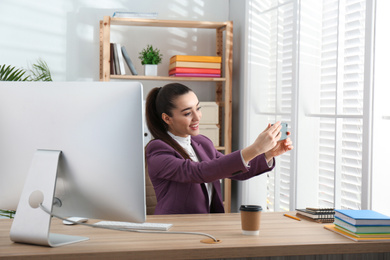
179,183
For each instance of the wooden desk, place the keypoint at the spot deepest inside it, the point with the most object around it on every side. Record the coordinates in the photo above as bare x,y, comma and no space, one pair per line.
279,236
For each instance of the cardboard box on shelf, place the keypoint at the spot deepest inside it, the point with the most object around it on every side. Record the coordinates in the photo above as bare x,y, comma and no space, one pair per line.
210,113
211,131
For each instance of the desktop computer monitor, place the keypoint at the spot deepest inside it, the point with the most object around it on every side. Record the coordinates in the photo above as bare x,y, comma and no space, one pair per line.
76,148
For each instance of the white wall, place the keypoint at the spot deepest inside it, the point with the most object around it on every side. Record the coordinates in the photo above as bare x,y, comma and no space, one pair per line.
65,33
238,15
253,191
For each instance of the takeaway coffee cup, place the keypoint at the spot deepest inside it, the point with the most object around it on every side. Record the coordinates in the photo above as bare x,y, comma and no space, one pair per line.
250,219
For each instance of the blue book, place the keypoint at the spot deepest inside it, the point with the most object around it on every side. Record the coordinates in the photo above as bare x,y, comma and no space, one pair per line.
362,217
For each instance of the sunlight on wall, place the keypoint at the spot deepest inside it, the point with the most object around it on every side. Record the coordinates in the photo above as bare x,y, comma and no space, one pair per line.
32,30
66,33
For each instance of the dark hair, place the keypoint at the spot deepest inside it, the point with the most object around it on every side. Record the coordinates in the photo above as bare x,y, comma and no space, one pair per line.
161,100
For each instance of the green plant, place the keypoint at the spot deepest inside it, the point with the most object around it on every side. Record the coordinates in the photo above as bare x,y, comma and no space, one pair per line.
39,72
7,213
8,73
150,56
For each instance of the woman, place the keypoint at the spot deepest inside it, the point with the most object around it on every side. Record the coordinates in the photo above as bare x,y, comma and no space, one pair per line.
184,167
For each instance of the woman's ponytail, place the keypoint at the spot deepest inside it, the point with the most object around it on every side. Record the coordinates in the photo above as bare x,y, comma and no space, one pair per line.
153,119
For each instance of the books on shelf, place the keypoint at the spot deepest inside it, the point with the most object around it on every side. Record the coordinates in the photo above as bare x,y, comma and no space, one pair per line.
362,217
195,66
321,215
118,57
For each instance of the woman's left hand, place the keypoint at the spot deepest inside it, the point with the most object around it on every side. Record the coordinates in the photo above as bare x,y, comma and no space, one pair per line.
280,148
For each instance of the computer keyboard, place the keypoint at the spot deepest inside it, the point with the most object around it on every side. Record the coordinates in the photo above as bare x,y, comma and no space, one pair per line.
139,226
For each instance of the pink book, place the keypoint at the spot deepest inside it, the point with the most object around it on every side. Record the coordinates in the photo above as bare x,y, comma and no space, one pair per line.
194,70
196,75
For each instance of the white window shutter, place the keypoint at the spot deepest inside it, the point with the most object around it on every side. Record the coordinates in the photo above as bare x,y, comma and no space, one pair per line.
271,64
331,33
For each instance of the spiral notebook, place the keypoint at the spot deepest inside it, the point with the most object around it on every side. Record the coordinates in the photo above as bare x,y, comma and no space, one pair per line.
320,215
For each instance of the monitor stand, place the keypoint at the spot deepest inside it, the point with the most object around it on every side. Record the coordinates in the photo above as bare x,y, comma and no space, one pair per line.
31,224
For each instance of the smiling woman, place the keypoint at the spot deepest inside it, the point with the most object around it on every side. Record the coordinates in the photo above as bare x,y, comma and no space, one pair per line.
184,120
184,166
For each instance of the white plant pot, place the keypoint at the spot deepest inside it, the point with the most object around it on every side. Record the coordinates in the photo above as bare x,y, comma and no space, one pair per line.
150,70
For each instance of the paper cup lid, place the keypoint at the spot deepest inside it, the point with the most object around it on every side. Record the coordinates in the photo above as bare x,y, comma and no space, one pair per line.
251,208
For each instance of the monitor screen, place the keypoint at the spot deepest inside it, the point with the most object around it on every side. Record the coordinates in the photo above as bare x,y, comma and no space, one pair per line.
97,128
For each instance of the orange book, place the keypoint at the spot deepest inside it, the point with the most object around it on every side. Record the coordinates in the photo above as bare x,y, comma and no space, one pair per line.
216,59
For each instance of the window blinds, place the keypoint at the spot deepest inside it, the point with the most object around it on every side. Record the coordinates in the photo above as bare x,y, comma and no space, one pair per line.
279,32
271,50
341,103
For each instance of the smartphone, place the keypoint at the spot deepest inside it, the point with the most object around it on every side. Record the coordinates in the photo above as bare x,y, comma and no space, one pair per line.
283,131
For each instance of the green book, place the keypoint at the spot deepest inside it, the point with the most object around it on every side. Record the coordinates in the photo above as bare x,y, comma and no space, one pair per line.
386,235
367,229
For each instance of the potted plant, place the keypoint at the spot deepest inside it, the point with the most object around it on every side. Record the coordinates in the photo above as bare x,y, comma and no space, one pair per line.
150,57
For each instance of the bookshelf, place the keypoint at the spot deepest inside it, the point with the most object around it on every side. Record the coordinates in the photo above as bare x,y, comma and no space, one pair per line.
223,85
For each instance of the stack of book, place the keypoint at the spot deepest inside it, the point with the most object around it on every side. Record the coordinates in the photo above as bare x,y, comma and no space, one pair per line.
361,225
195,66
320,215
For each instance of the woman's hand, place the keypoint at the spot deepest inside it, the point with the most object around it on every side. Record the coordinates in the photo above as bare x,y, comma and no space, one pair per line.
280,148
266,141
